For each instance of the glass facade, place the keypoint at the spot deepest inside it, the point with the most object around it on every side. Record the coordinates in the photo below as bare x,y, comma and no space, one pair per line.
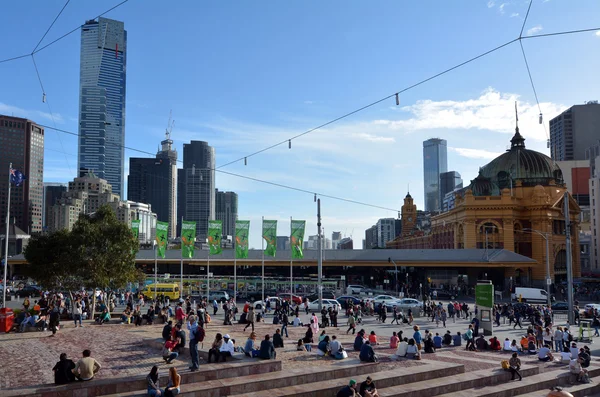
435,162
102,101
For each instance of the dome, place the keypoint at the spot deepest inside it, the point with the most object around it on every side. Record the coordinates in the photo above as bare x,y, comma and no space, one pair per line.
482,186
519,163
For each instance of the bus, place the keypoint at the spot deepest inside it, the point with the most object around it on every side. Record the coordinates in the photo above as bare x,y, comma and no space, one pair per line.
169,290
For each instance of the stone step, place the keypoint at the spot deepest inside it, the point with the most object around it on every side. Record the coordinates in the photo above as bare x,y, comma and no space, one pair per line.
263,382
117,386
398,376
507,388
456,383
579,390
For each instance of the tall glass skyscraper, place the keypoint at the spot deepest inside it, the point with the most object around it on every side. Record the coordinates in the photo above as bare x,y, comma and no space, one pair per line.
435,162
102,101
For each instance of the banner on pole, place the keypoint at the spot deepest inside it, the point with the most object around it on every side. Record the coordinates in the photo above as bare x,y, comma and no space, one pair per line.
214,237
135,228
297,238
161,238
242,229
269,233
188,238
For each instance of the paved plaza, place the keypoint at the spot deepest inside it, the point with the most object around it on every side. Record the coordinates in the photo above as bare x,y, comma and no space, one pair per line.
123,351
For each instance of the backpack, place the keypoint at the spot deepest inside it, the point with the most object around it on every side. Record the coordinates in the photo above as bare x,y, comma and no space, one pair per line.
505,364
199,334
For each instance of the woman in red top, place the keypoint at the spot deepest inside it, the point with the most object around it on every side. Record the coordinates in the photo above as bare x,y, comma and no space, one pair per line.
495,344
373,338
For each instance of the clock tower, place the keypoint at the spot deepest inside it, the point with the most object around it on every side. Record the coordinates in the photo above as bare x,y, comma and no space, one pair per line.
409,215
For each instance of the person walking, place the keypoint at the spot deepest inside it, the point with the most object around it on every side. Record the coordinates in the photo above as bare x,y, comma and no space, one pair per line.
77,312
250,318
351,324
468,336
284,324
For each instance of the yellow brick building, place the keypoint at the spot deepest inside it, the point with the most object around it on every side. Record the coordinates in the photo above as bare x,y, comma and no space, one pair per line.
514,198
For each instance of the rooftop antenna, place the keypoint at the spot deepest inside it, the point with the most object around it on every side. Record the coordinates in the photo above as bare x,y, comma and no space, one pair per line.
170,125
516,116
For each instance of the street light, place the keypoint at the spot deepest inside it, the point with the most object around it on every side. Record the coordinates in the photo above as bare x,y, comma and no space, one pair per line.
548,280
395,273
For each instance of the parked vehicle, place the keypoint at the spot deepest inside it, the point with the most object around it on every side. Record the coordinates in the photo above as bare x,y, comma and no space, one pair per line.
344,301
326,295
438,293
327,303
530,295
29,290
170,290
258,305
387,299
296,299
409,303
354,289
560,306
220,296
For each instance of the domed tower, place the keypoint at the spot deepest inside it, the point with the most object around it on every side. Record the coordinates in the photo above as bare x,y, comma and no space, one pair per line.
409,215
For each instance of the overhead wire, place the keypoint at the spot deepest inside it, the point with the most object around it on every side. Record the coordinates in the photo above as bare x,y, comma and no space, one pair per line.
50,27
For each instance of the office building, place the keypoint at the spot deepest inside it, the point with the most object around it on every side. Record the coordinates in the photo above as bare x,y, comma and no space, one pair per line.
574,131
386,231
283,243
147,217
22,144
197,187
335,239
226,210
345,244
102,79
593,154
435,162
370,240
449,181
52,192
154,181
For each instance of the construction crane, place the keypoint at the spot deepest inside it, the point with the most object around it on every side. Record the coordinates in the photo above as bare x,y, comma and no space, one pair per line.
170,125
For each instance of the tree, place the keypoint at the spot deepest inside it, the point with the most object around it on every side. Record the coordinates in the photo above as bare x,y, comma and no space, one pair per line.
98,252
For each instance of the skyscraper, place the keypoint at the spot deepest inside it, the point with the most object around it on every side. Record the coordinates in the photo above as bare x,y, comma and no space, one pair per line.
199,188
52,193
226,210
154,182
574,131
435,162
22,144
102,101
449,181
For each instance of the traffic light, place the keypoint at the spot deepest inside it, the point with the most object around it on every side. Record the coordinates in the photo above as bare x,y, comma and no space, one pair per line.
429,280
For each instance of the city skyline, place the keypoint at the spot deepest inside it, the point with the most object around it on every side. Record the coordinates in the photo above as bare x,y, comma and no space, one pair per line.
472,108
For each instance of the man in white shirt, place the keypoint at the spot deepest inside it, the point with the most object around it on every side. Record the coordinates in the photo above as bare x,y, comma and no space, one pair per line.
402,347
227,348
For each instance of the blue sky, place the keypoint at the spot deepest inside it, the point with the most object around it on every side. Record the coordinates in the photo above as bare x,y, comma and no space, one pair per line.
243,75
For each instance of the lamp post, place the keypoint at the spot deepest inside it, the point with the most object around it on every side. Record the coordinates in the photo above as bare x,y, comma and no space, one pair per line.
548,280
396,273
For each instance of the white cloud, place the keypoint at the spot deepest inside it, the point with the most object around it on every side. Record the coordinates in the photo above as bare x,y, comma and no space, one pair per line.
491,3
501,8
491,111
598,33
475,153
308,102
514,15
534,30
33,115
373,138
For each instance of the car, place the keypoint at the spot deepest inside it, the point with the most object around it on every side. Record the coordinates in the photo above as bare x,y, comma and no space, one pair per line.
257,295
258,305
354,289
442,294
387,299
560,306
326,295
408,303
344,301
296,299
32,291
327,303
219,296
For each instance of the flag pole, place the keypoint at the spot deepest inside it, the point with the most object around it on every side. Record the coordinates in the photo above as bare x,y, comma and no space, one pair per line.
6,241
235,265
181,264
291,261
208,278
155,268
262,245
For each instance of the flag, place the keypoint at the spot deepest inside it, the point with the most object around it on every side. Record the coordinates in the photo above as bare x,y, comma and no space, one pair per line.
188,238
16,177
161,238
269,233
214,237
242,229
135,228
297,238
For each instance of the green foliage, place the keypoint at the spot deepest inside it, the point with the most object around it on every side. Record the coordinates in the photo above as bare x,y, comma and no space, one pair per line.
98,252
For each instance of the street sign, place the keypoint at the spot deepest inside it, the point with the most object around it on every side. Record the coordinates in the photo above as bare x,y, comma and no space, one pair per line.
210,274
484,295
548,281
167,275
342,277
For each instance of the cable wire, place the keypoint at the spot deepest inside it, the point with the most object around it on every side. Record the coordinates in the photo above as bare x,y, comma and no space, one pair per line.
297,189
525,20
287,140
535,36
50,27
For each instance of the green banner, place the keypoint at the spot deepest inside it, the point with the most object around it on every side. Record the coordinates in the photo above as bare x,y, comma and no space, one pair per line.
484,295
269,233
242,229
161,238
135,228
297,238
188,238
214,237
